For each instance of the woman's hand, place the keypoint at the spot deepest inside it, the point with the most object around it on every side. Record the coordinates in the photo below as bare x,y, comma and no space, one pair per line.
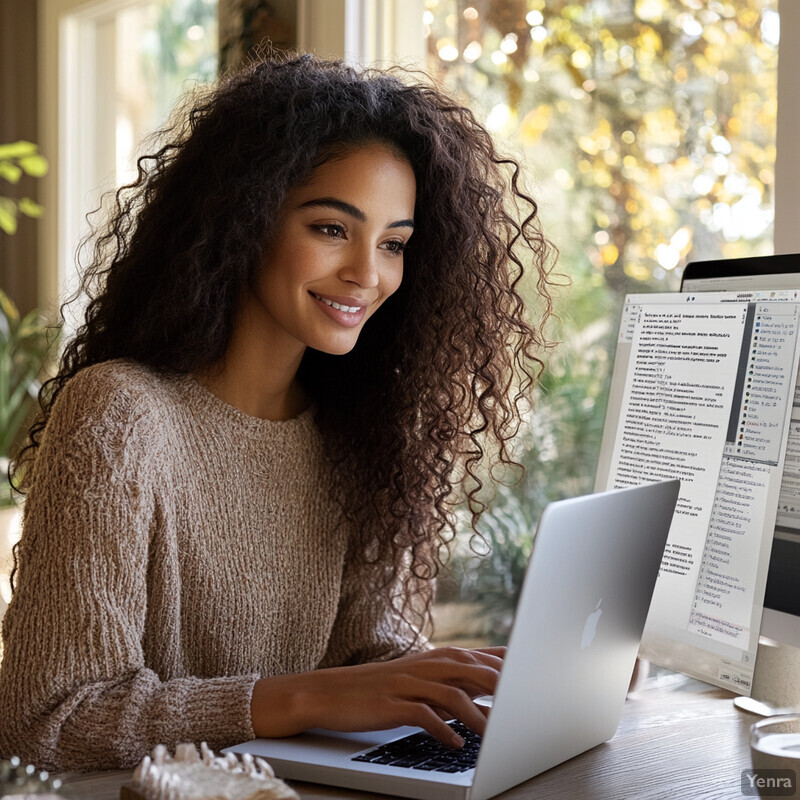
423,689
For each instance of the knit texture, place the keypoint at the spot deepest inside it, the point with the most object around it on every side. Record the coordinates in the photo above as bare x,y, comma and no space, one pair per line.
174,550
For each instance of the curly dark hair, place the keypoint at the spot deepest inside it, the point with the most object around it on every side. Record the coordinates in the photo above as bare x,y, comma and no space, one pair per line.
437,384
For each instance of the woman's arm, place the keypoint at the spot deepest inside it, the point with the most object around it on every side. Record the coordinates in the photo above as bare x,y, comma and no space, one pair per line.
421,689
382,690
75,689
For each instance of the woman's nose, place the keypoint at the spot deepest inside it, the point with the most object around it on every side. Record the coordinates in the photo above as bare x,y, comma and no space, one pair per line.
361,268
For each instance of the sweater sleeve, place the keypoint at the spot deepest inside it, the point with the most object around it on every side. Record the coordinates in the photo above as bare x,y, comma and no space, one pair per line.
75,692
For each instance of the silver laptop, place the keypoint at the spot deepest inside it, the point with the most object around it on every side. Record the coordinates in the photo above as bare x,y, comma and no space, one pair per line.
570,656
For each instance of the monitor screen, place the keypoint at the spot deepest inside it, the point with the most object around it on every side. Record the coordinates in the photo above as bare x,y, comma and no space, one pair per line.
702,390
781,619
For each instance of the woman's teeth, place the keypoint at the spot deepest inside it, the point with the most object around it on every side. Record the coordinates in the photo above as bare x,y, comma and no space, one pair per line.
338,306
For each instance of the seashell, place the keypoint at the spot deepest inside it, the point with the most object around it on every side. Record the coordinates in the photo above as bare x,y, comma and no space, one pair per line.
190,775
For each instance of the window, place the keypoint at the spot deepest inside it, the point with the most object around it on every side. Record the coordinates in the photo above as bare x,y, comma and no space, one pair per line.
648,129
112,71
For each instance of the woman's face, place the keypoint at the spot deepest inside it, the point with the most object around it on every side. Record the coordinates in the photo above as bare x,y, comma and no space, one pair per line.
338,251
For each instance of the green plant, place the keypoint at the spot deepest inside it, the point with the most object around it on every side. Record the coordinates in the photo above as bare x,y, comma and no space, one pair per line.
24,343
16,159
24,340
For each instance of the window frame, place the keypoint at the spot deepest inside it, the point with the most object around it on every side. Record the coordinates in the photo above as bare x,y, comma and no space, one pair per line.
74,36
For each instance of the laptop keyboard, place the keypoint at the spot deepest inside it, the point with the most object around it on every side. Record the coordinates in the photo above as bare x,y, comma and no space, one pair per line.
422,751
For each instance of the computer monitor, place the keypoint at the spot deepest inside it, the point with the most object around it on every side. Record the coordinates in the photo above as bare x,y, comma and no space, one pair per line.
781,617
702,390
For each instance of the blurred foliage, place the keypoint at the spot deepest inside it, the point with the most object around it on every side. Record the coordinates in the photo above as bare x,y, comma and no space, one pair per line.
25,342
647,128
168,46
180,46
650,124
18,159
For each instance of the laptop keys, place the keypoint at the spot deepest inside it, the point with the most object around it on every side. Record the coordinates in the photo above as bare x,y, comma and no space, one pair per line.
422,751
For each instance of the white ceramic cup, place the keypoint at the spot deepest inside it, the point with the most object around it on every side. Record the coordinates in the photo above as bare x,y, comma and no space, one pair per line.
775,754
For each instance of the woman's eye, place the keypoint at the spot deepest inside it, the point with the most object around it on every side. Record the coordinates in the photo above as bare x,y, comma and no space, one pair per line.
395,246
334,231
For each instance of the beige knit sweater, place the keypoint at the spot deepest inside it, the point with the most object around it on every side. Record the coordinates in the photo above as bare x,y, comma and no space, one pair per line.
174,550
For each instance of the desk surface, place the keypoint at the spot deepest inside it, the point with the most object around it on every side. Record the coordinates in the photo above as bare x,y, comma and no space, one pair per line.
678,738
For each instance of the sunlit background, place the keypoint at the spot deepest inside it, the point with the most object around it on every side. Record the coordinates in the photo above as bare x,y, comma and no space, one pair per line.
647,131
169,43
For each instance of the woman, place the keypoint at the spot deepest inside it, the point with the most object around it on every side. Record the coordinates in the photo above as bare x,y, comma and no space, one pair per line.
304,334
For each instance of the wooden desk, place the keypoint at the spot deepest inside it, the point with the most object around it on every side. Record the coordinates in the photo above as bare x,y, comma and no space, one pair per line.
681,740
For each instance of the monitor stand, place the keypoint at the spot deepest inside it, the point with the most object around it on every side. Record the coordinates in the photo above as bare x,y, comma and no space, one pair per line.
776,680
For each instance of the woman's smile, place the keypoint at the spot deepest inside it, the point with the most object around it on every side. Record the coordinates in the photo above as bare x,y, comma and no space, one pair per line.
347,311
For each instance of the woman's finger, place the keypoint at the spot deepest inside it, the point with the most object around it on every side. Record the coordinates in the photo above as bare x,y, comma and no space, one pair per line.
448,702
425,717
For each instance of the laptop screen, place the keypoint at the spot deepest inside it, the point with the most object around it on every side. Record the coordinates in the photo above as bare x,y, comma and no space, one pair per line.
702,390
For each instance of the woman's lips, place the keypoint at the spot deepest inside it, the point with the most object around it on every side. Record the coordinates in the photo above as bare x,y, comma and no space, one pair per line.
346,311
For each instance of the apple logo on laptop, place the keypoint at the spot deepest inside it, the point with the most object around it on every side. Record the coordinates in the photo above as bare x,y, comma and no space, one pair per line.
590,628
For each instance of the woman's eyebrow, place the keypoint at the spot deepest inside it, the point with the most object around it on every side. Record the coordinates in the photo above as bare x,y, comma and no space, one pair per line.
341,205
351,210
402,223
